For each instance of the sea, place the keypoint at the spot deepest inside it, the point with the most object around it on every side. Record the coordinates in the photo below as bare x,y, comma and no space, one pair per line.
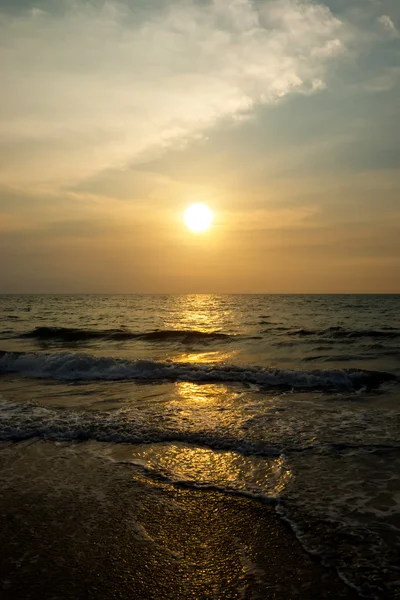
292,400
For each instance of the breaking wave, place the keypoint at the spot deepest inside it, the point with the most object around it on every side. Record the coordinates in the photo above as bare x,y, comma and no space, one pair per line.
70,366
133,425
22,421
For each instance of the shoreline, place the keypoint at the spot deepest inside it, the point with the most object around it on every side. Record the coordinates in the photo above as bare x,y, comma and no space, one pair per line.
74,525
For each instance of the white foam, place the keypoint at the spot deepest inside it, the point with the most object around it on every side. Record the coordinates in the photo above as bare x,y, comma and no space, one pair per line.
71,366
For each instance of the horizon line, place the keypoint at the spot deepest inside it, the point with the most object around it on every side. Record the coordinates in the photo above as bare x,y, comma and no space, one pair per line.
200,293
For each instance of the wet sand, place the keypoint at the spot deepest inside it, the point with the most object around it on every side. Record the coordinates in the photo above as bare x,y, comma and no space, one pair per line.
74,525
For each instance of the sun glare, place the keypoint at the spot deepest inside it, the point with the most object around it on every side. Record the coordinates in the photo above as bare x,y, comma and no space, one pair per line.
198,217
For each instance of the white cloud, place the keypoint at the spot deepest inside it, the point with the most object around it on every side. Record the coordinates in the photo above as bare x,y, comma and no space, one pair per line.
388,24
98,88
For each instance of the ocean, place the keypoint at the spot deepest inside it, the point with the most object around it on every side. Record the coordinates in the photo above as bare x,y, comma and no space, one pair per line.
292,400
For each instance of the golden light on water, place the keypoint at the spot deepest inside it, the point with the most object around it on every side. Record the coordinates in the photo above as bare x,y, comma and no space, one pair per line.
206,358
200,312
228,470
198,217
193,393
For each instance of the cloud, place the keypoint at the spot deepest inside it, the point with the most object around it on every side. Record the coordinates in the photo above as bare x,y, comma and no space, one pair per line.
100,86
388,24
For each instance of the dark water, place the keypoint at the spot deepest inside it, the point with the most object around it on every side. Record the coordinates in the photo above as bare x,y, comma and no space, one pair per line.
294,399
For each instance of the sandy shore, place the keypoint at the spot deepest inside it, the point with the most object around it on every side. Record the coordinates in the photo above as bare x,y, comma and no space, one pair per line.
74,525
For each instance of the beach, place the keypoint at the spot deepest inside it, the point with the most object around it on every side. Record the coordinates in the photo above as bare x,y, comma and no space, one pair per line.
74,525
200,446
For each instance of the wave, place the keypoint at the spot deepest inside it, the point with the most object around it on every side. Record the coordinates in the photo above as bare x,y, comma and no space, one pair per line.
342,333
72,334
131,425
22,421
70,366
185,336
370,354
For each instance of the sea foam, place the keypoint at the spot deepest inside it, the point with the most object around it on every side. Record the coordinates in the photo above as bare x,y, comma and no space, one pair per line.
71,366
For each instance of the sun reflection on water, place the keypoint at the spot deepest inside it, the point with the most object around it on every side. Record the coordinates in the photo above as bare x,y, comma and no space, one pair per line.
215,356
193,392
201,312
204,467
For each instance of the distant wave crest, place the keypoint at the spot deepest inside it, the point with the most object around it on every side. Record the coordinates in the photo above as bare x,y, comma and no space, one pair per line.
342,333
73,334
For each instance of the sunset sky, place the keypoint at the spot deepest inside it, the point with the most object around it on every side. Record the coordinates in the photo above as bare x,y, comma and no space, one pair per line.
282,116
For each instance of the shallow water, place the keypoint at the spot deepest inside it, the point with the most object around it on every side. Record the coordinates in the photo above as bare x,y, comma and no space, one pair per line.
294,399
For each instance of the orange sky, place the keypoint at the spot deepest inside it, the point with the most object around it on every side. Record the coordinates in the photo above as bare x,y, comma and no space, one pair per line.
280,115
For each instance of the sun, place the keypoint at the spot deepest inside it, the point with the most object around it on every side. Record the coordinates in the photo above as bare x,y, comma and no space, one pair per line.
198,217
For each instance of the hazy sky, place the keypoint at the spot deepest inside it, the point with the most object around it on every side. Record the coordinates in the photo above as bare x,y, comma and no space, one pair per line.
282,115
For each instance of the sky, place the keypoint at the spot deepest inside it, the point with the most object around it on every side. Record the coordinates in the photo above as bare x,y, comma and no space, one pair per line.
281,115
